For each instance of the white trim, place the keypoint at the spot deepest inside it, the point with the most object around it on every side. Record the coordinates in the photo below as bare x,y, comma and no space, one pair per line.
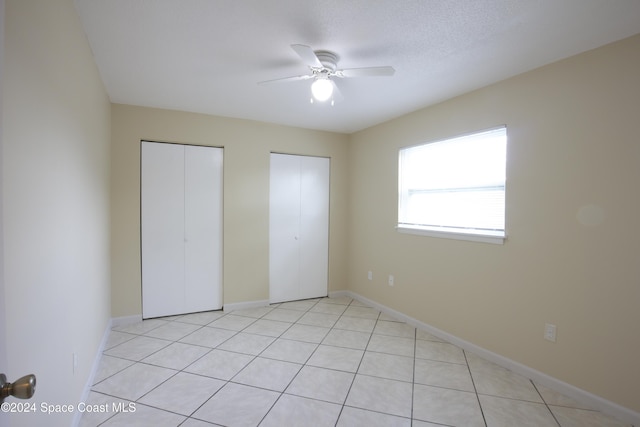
484,238
126,320
591,400
94,370
244,305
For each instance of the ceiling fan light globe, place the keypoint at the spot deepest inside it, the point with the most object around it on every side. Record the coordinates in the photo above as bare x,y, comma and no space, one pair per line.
322,89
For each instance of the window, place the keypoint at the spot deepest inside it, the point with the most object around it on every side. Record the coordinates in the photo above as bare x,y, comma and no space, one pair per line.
455,187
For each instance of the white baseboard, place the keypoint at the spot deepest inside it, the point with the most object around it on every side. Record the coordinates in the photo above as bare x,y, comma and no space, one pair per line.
245,305
125,320
589,399
92,374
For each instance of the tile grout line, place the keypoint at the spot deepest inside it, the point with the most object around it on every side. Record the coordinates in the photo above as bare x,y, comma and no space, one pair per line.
359,364
474,387
282,393
545,402
413,377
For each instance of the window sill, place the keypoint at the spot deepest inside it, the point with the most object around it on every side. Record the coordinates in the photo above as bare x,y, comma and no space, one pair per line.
496,239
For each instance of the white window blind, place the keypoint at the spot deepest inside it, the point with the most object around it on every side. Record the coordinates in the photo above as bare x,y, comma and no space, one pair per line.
455,185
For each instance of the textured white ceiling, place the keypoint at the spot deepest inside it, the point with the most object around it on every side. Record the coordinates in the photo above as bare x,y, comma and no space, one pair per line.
208,55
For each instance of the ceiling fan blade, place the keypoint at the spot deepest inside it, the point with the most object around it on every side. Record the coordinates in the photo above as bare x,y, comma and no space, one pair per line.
337,95
308,55
287,79
366,72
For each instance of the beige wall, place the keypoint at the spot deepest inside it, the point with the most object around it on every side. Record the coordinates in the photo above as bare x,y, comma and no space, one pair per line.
572,142
55,185
247,145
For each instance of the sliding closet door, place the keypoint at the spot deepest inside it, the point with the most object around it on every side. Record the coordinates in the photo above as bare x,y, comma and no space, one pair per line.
298,227
284,225
181,225
203,229
162,228
314,226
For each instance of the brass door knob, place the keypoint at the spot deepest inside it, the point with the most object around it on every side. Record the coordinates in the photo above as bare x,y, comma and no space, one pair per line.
22,388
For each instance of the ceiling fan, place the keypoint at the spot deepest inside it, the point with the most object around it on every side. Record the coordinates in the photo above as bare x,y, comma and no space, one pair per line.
323,65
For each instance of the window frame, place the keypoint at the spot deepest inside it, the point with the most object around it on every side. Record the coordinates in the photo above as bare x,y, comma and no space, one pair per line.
468,234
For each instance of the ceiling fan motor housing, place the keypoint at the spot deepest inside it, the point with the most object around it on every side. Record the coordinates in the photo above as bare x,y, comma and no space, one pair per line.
328,59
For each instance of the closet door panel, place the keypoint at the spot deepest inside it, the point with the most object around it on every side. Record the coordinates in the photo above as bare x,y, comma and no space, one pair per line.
162,225
203,228
284,224
314,226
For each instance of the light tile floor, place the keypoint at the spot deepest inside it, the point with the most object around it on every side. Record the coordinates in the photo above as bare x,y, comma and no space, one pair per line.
321,362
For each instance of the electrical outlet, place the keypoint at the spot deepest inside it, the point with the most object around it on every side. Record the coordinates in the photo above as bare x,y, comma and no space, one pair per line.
391,280
550,332
370,275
